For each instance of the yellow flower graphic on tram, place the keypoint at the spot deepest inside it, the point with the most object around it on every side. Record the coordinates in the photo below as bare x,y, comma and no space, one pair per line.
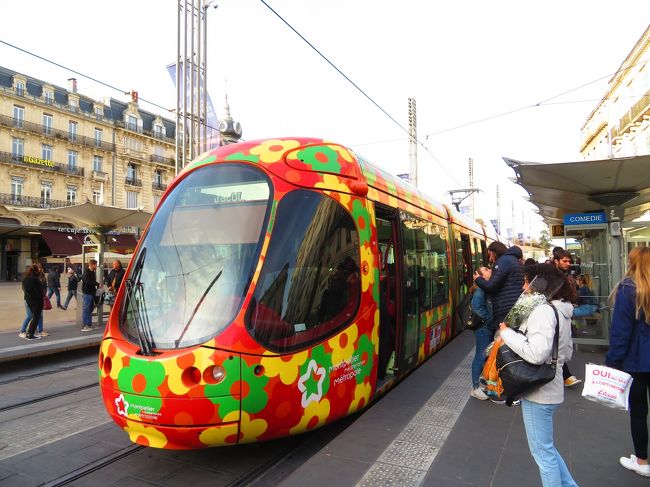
315,415
342,151
375,331
271,151
361,397
136,430
219,434
367,268
288,370
251,430
332,183
343,345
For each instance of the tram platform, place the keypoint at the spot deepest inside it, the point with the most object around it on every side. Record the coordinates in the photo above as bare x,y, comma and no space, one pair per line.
61,325
429,431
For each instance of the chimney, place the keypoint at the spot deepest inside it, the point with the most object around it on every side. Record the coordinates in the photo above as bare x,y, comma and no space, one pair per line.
72,85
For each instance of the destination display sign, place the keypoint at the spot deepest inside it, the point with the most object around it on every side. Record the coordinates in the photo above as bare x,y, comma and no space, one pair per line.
585,218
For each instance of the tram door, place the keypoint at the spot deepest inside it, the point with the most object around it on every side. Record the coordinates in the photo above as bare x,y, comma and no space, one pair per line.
465,280
389,297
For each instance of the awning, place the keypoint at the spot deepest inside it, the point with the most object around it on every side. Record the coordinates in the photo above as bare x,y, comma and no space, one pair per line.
584,186
121,244
61,243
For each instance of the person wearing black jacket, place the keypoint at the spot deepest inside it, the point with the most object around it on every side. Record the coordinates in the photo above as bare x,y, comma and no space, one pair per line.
73,282
54,285
33,292
505,284
115,277
89,287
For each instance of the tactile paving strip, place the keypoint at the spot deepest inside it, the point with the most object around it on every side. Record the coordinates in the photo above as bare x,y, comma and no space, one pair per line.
406,460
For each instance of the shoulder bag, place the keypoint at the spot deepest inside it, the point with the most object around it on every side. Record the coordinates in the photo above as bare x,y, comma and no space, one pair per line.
520,377
474,322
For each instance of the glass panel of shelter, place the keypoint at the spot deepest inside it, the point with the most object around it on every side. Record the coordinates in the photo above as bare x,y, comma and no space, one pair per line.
591,267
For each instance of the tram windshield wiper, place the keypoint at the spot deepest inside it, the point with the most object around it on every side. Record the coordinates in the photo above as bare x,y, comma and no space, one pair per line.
196,308
137,305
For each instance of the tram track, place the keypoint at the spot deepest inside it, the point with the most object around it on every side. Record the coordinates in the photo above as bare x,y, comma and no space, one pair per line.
47,397
46,373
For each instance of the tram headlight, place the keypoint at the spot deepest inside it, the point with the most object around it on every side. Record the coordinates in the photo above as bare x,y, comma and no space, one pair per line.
215,374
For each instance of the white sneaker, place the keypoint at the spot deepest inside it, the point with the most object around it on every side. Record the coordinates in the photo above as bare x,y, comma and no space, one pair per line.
479,394
632,464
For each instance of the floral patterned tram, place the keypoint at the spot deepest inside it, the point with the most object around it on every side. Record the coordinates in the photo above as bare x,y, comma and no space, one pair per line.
280,285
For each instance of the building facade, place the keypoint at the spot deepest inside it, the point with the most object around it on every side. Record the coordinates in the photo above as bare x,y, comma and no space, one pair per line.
60,148
619,126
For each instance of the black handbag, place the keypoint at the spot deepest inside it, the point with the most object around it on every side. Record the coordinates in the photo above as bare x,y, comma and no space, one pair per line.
519,377
474,321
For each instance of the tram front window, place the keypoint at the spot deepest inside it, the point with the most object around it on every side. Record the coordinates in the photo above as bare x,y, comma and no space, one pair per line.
196,261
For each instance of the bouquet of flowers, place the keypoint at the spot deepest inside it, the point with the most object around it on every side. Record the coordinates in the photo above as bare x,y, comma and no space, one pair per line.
536,294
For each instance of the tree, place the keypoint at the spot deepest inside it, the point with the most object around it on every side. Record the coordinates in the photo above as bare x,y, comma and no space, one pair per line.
545,241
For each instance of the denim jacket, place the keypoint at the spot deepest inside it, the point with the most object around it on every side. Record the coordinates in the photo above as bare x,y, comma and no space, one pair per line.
481,306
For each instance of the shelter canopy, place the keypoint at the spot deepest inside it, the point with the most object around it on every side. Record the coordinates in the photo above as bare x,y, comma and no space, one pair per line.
584,186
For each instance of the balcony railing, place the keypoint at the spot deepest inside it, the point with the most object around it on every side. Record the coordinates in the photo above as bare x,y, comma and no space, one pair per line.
100,176
50,132
38,163
31,201
633,115
167,161
133,181
158,186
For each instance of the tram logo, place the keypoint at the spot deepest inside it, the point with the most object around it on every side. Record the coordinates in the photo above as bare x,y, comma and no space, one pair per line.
311,384
122,406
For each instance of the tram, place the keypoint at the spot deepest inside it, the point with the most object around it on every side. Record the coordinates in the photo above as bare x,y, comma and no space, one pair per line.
280,285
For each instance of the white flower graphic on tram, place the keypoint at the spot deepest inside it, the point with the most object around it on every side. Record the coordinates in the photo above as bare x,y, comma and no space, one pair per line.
311,384
122,406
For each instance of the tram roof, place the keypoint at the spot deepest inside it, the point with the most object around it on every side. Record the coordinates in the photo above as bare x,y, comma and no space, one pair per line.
562,188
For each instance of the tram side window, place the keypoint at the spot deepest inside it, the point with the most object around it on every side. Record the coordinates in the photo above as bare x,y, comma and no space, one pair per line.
478,254
310,285
439,265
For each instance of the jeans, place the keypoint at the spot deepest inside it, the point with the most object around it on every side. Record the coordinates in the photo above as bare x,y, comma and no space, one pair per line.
57,293
584,310
639,412
538,421
483,336
23,328
69,298
87,314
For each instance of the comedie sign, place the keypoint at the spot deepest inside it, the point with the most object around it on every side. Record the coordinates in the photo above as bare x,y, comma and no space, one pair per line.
585,218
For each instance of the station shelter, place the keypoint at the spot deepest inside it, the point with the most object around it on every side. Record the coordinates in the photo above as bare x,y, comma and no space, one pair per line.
604,206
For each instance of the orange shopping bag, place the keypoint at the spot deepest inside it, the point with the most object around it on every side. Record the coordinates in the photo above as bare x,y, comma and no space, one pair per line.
491,373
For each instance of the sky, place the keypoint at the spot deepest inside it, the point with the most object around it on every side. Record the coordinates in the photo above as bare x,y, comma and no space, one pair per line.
490,79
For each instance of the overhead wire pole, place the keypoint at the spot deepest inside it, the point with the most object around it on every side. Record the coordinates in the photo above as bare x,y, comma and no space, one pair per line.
413,145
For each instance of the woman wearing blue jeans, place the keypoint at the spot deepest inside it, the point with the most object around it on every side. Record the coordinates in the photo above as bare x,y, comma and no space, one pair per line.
534,344
483,335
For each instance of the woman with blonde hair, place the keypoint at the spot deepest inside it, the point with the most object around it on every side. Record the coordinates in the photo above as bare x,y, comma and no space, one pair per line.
629,338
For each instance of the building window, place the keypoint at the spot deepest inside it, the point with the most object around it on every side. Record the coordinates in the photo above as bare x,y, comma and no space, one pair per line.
97,196
17,148
46,152
158,177
71,197
73,103
46,193
99,112
47,124
158,131
98,137
49,97
131,173
156,201
16,190
19,116
72,130
132,123
97,163
20,88
72,159
131,199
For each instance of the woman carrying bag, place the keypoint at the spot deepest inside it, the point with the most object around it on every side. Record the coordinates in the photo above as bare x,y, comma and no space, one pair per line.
629,338
534,344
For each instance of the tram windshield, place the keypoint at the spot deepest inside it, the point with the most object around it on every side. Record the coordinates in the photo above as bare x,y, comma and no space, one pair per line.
197,259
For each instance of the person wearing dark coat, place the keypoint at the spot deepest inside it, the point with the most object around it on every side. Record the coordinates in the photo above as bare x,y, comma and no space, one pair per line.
505,284
54,285
33,292
628,351
73,282
89,287
115,277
